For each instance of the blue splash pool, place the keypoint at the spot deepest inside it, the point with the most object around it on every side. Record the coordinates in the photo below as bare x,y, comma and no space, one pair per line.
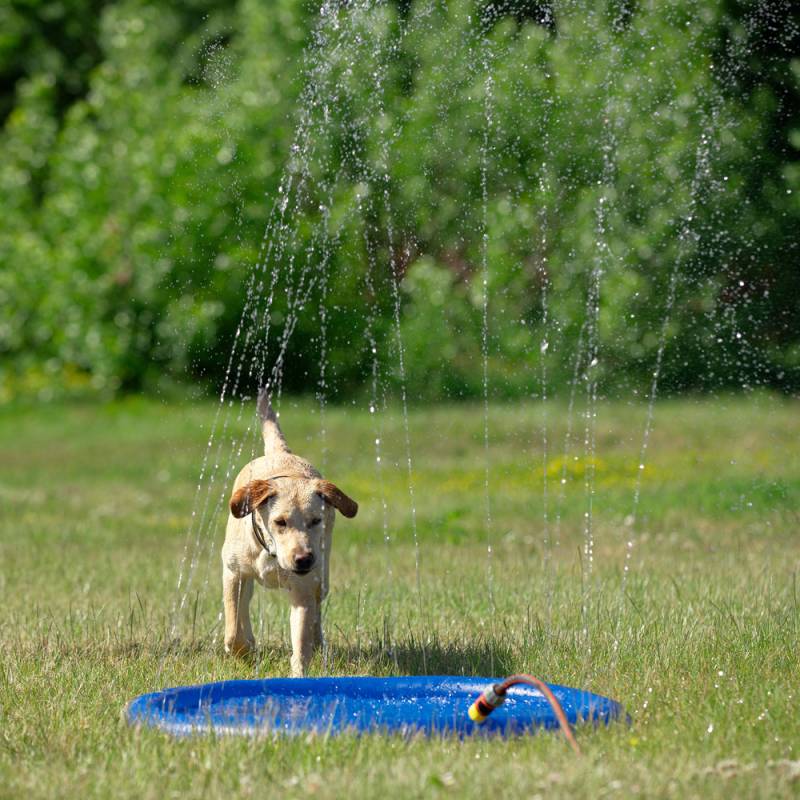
418,704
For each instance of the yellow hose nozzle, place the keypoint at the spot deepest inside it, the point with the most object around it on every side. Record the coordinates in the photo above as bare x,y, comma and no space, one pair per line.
485,704
475,713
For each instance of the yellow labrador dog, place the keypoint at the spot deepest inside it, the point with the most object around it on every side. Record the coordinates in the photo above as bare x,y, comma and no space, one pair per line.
279,534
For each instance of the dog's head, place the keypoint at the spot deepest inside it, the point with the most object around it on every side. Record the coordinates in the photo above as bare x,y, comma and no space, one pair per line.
296,511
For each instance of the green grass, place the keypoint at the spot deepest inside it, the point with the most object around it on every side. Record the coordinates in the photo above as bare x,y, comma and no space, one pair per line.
94,507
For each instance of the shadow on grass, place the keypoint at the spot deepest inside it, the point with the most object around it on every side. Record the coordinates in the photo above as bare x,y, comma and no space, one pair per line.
479,656
415,658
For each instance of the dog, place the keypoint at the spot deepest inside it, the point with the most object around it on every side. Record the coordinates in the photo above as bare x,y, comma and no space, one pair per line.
279,533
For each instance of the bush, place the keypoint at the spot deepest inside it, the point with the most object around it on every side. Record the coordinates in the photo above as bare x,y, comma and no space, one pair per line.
612,142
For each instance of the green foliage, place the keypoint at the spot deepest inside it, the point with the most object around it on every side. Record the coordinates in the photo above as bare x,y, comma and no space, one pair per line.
629,140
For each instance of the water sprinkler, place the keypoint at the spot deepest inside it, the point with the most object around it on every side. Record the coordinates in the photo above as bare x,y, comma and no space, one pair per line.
495,696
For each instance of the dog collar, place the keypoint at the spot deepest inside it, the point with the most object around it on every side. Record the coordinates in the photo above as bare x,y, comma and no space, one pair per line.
272,551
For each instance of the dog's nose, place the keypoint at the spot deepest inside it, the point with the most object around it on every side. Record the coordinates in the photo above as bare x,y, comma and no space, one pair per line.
303,563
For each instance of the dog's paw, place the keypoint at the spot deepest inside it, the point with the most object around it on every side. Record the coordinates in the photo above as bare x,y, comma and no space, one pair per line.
238,646
298,669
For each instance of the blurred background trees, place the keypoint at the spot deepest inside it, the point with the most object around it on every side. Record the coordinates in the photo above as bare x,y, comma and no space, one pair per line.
144,144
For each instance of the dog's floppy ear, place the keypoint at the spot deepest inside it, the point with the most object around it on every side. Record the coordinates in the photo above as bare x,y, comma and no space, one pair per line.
251,496
337,498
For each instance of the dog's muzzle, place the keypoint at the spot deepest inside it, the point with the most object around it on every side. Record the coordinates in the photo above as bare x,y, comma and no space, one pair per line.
304,564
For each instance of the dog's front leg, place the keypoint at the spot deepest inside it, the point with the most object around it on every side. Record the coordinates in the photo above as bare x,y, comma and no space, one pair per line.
319,638
303,621
236,594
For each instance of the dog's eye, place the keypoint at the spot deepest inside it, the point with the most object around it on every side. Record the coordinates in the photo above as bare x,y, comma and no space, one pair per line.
316,521
281,523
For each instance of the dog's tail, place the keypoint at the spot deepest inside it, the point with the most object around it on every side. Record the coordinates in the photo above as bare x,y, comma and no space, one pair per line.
270,429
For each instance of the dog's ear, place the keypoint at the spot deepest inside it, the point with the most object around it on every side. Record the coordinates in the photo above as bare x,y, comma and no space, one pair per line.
251,496
337,498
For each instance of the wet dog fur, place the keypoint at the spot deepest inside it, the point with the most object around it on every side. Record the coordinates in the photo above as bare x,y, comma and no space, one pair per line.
294,509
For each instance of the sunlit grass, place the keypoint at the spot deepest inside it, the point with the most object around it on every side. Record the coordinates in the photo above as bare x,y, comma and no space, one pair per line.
702,648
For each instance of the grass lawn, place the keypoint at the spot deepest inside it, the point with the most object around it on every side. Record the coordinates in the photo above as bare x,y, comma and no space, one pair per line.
95,502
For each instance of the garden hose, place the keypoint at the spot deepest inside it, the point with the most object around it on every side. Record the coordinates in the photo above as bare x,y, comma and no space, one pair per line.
495,696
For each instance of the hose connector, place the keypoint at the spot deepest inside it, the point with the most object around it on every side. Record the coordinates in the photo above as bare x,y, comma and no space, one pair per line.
485,704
